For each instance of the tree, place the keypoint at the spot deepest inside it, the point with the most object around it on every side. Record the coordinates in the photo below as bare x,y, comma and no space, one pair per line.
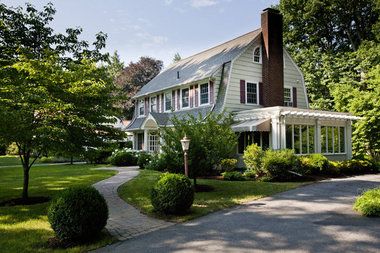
319,34
211,140
134,76
53,95
337,46
177,57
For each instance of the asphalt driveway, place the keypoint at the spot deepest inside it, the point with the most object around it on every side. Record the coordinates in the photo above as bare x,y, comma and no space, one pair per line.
313,218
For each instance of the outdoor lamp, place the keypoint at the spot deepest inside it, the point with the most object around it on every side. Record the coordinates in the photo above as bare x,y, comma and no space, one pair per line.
185,142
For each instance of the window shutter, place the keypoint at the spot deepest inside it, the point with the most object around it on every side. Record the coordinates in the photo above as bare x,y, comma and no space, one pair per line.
261,94
178,97
242,91
196,95
146,106
162,103
173,100
294,97
191,96
211,92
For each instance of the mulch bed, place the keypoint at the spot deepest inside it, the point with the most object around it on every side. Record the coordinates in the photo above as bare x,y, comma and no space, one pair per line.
28,201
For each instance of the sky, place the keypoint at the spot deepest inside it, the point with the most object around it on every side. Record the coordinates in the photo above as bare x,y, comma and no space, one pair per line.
156,28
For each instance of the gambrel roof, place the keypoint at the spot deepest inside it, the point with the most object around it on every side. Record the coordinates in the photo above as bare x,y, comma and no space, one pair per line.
199,66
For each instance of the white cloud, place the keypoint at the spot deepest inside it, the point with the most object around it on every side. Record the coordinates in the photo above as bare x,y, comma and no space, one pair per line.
202,3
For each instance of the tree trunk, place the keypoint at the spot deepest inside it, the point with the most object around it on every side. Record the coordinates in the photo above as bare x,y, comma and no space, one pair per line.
195,181
26,182
71,160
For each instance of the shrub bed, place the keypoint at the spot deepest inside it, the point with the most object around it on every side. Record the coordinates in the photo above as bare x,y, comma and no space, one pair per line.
144,158
124,157
172,194
368,204
78,214
233,176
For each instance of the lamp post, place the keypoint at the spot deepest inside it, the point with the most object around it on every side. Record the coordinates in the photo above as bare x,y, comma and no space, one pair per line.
185,147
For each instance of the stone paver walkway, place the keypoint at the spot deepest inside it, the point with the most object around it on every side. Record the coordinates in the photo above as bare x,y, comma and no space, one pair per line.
125,221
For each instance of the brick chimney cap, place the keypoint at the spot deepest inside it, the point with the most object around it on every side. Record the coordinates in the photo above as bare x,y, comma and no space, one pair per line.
271,10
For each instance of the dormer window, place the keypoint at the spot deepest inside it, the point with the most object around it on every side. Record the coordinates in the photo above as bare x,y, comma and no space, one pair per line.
257,54
168,101
141,107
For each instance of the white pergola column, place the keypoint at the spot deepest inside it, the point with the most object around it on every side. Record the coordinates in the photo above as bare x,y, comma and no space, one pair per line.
276,133
282,132
348,139
146,136
317,136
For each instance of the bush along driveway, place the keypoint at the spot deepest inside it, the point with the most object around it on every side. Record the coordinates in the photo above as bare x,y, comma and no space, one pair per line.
313,218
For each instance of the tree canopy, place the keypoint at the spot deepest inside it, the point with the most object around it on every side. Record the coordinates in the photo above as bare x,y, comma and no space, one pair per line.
54,94
134,76
337,46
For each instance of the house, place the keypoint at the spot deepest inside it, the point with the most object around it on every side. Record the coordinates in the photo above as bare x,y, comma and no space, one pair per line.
253,77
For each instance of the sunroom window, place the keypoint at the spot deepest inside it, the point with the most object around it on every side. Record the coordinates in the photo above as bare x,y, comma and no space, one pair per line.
333,140
300,138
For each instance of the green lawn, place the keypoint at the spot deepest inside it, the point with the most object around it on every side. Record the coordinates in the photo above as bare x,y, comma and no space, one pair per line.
225,194
25,228
10,160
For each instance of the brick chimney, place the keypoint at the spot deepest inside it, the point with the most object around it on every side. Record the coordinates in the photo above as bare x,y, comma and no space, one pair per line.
272,58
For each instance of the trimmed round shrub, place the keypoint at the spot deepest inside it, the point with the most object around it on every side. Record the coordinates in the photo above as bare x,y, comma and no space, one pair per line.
78,214
172,194
368,204
233,176
124,158
144,159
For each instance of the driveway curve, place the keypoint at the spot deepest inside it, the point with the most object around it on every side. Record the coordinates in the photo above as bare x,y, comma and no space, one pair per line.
313,218
124,220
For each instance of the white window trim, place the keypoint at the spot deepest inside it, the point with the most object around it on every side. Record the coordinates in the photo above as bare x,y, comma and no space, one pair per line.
199,95
143,106
171,100
181,105
257,93
291,94
151,103
261,55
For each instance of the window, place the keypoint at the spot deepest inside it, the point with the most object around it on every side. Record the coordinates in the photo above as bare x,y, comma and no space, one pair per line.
204,94
140,141
185,98
153,104
168,101
141,107
257,55
288,97
153,142
300,138
251,93
333,140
